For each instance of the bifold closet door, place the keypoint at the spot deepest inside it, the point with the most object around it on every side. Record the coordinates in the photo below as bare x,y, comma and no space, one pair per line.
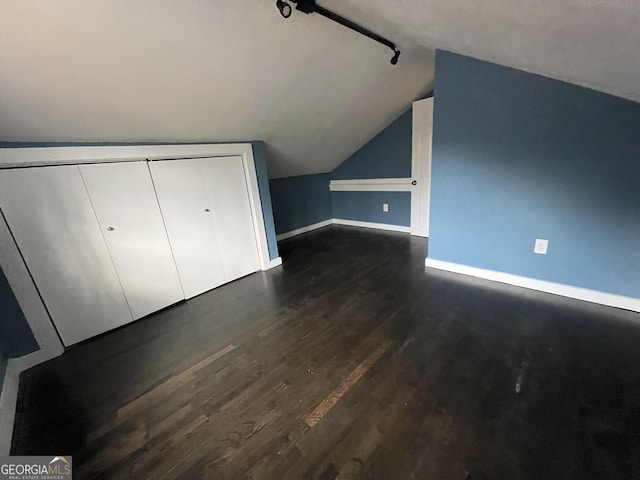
227,187
127,210
50,215
186,210
205,205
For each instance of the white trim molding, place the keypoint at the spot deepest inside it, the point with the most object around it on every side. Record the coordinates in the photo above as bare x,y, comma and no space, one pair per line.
308,228
38,319
341,221
9,394
578,293
378,226
371,185
276,262
421,140
20,280
33,156
43,156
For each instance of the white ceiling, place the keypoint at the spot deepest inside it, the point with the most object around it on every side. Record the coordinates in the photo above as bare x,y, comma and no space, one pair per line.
593,43
225,70
199,70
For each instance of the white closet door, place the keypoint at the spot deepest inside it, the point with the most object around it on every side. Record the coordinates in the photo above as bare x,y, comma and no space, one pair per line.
422,133
227,187
181,187
50,215
125,204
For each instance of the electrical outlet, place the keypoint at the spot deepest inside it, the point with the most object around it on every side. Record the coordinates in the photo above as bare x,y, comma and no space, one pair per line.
541,246
385,207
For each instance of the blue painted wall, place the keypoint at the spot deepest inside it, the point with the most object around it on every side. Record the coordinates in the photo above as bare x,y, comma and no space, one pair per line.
260,159
367,207
300,201
16,338
387,155
517,157
305,200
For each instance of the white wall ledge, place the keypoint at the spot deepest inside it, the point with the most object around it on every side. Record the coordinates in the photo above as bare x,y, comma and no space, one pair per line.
371,185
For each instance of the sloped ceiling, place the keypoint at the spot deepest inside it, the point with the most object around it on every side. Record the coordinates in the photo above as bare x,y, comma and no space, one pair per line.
227,70
593,43
199,70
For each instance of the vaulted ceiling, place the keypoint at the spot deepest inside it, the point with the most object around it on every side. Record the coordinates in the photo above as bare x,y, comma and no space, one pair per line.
593,43
228,70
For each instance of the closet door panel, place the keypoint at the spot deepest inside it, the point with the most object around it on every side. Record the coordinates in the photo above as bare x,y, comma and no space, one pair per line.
125,204
50,215
227,187
188,215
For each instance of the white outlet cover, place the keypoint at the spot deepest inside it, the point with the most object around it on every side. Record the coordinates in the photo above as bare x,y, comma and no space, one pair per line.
385,207
541,246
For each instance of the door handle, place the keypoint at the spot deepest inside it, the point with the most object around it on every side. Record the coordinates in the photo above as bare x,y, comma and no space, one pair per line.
110,229
414,182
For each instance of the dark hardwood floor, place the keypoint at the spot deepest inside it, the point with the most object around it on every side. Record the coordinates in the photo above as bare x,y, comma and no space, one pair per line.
352,361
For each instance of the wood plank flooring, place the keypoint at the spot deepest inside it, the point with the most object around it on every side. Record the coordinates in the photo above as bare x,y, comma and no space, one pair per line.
352,361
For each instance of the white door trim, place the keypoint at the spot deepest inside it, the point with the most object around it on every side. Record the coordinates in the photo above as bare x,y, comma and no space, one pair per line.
42,156
40,323
18,275
26,157
421,136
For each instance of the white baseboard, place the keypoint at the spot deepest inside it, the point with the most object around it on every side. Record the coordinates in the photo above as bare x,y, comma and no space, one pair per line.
38,319
15,366
276,262
341,221
8,400
378,226
593,296
308,228
9,394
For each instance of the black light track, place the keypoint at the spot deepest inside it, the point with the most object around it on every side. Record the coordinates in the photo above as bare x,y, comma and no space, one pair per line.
310,6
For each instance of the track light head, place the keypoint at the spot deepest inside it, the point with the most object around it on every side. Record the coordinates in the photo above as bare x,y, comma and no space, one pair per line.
310,6
396,56
284,7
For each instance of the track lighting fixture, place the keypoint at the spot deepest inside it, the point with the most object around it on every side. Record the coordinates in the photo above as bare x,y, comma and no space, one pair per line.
396,56
310,6
284,7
